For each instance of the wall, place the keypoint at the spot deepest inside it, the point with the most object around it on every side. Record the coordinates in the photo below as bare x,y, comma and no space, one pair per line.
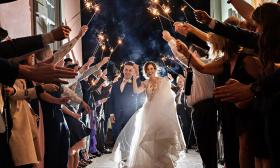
69,9
16,17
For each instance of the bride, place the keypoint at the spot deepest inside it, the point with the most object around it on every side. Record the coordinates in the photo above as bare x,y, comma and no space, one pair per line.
152,138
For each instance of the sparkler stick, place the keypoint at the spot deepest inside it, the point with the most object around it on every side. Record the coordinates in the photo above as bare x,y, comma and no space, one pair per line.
183,10
160,23
189,5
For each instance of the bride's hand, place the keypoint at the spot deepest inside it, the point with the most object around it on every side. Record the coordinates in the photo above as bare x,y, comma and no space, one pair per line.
136,71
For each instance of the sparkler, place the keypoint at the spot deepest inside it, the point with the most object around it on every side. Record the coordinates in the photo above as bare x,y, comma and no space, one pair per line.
156,13
119,42
183,10
103,48
96,10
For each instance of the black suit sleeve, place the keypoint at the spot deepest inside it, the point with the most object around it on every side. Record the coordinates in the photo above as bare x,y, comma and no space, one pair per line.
243,37
270,84
20,46
8,72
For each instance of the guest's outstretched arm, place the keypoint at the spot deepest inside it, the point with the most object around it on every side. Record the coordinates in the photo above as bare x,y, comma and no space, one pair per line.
243,8
186,28
183,54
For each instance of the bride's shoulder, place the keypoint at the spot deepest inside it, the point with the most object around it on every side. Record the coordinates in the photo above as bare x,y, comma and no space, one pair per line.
165,78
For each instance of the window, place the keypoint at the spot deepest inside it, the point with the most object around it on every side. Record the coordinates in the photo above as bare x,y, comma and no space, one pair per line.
47,17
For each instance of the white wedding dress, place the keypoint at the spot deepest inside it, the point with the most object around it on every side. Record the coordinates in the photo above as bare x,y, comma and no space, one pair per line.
152,138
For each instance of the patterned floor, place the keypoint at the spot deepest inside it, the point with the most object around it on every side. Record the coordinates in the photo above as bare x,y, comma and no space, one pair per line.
189,160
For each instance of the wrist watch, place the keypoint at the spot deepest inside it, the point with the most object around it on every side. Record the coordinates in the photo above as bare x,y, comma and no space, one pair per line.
255,88
229,1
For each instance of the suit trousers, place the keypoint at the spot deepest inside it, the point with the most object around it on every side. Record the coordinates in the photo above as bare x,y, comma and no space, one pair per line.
204,117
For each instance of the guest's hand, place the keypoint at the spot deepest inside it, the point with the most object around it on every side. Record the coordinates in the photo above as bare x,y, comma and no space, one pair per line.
61,33
90,61
76,116
62,100
202,17
183,28
104,61
50,87
86,107
234,91
112,119
103,100
46,73
83,31
166,36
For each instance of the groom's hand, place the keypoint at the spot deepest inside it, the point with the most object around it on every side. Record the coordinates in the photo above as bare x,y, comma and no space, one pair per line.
112,119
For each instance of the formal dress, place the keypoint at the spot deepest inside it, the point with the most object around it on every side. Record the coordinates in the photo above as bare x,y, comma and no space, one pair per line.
152,138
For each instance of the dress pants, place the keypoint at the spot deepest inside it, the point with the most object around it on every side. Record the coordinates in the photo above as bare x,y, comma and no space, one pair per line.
204,118
184,116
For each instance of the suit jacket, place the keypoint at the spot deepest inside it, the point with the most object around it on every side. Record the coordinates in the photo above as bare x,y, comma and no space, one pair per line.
125,101
20,46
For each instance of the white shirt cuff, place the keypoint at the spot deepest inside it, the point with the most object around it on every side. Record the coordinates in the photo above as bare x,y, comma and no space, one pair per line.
212,24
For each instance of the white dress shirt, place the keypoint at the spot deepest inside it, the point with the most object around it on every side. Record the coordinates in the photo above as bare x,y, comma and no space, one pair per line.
203,84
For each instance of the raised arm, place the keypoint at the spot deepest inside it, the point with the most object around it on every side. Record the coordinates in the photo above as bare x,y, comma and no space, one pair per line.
243,8
186,28
243,37
26,45
183,54
137,89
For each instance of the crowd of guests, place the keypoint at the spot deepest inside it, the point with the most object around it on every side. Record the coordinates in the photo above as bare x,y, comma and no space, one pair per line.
57,114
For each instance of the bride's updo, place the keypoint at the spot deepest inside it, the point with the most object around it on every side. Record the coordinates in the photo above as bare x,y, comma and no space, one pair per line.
145,68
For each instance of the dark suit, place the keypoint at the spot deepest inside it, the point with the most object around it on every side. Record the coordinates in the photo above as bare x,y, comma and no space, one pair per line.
122,104
184,115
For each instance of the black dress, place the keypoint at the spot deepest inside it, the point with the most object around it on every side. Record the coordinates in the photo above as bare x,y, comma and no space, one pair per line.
77,129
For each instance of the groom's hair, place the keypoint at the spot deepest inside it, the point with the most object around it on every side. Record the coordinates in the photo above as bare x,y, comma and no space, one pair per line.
130,63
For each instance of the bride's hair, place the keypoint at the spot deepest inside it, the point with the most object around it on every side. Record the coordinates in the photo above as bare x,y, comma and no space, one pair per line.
145,67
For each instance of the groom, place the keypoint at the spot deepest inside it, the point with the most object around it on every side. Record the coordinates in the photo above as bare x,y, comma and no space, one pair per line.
123,101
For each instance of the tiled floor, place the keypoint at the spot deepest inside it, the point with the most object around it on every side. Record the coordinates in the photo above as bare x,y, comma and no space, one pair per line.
189,160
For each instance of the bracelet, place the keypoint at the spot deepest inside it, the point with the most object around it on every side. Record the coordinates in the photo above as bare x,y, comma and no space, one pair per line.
39,89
